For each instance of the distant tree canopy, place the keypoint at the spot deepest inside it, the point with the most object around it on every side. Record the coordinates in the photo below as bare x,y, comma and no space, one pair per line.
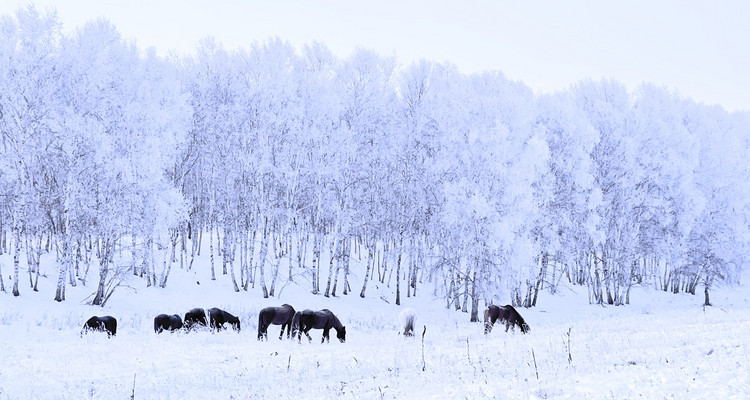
115,157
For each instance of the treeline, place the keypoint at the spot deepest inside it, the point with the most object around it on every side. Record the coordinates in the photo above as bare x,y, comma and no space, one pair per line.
291,162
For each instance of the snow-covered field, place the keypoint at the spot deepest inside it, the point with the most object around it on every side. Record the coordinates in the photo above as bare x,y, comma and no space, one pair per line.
662,346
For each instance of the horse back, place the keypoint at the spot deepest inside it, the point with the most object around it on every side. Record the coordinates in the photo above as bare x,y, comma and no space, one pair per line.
327,319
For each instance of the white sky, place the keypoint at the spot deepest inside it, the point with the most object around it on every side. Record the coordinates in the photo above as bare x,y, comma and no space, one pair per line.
701,48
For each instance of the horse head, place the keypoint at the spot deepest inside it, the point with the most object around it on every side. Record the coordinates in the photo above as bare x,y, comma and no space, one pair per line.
341,334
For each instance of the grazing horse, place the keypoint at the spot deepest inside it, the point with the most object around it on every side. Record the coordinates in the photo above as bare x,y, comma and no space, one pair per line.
164,322
101,324
407,317
277,316
220,317
506,314
194,317
323,319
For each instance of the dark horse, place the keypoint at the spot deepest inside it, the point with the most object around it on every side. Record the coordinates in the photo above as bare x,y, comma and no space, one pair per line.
220,317
101,324
164,322
194,317
323,319
506,314
277,316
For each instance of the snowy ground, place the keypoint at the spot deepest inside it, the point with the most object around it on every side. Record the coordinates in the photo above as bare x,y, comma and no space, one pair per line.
662,346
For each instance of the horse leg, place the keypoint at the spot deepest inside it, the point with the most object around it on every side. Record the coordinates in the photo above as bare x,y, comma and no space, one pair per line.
325,335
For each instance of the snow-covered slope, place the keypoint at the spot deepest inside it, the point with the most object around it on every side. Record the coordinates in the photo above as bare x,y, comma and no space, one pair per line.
661,346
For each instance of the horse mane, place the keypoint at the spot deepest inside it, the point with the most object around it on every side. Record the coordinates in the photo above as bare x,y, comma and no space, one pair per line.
336,323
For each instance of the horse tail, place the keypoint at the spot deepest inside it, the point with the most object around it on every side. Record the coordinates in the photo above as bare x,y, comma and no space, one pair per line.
487,322
295,324
260,324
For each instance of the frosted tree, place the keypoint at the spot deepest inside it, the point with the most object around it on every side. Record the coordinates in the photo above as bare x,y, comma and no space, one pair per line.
317,163
568,217
667,156
515,157
126,121
717,243
29,125
368,116
411,153
292,159
607,106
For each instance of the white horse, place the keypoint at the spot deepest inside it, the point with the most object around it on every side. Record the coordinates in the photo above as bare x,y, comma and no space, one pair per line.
407,317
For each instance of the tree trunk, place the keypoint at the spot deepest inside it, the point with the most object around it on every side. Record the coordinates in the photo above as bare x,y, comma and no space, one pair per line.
370,261
65,265
262,258
474,299
451,287
344,245
250,252
706,300
280,253
330,267
302,250
16,260
76,261
200,240
168,260
104,255
409,270
386,248
465,305
2,283
87,250
316,264
37,261
398,270
133,255
398,278
183,246
347,263
193,250
30,262
147,261
278,256
2,243
456,287
220,250
211,251
230,248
